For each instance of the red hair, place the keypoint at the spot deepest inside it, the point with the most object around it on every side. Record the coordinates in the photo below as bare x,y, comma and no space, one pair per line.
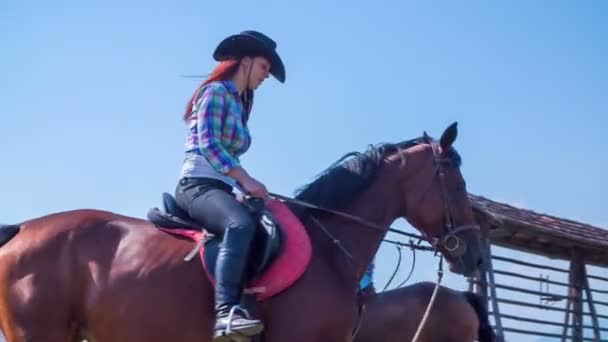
222,72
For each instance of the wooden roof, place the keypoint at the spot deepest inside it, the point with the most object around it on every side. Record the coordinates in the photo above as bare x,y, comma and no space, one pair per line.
539,233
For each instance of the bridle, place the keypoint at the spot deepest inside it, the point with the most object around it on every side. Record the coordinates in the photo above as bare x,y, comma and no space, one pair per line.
455,245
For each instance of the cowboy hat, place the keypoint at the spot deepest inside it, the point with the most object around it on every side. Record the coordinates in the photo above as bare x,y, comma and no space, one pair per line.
251,43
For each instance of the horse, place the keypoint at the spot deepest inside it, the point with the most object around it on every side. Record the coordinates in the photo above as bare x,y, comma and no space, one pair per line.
395,315
103,276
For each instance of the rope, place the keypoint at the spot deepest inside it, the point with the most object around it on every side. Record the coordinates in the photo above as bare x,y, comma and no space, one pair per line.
413,247
431,302
396,269
411,269
410,245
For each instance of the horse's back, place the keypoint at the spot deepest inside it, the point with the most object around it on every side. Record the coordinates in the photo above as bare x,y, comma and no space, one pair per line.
74,226
85,265
395,315
98,239
60,244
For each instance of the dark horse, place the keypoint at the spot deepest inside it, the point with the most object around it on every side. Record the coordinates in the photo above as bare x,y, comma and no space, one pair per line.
101,276
395,315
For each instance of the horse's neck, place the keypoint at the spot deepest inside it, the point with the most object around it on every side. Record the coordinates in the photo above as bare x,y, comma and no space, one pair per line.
359,240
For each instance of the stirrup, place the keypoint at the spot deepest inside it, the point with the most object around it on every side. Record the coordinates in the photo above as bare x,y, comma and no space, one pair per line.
228,329
245,332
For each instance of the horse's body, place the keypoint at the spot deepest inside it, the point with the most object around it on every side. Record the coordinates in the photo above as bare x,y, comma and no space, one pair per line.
122,292
106,277
395,315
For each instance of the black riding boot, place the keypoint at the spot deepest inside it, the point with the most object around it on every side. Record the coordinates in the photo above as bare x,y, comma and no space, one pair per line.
231,319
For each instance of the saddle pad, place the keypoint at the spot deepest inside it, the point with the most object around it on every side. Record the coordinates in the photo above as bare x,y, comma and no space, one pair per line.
288,266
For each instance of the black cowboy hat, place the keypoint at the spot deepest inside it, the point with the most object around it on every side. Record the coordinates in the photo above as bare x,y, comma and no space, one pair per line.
251,43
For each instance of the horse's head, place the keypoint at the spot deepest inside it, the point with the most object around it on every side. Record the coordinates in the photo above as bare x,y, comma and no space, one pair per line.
436,202
418,180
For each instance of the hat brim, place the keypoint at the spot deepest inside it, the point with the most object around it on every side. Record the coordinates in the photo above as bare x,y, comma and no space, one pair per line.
238,45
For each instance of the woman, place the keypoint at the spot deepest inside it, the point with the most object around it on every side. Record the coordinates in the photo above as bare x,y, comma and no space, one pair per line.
217,117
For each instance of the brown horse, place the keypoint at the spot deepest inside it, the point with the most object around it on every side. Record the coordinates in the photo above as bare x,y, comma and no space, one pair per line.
395,316
101,276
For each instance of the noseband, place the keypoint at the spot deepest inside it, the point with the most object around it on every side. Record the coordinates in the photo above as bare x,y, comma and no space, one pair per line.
449,240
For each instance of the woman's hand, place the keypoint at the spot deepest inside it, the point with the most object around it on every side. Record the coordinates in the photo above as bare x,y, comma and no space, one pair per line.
250,185
254,187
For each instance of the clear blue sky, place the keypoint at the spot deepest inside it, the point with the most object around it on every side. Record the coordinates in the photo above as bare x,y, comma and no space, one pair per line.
92,93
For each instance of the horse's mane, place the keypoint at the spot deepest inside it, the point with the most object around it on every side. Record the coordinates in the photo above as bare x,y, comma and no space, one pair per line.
345,179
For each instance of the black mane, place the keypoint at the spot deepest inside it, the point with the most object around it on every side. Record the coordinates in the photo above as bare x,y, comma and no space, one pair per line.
346,178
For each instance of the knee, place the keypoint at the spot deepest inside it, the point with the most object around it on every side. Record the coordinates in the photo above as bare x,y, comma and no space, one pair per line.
242,222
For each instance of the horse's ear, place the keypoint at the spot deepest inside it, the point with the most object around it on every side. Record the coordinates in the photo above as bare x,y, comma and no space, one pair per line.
449,136
425,136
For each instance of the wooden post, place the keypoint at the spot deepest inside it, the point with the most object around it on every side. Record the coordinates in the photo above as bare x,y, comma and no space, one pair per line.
596,324
472,281
577,294
481,280
481,275
569,303
490,272
483,285
567,314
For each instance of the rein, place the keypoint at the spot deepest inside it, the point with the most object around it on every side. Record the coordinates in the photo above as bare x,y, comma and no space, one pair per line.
367,224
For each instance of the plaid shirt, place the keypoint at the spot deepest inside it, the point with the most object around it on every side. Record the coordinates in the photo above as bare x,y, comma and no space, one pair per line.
218,126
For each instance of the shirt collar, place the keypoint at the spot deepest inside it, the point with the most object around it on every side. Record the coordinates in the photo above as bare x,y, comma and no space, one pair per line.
230,85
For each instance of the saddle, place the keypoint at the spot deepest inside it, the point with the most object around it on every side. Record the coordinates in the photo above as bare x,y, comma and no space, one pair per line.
267,243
